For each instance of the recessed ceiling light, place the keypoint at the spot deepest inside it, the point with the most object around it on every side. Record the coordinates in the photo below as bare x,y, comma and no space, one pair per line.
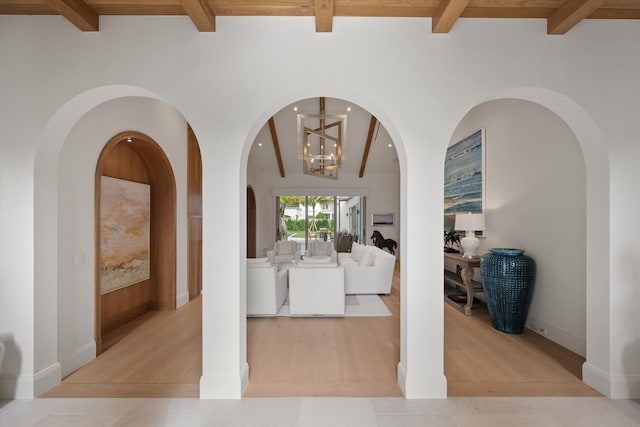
259,144
295,108
129,139
348,108
390,145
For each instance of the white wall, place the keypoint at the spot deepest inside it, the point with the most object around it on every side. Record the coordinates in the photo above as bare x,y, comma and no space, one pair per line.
535,200
228,83
78,160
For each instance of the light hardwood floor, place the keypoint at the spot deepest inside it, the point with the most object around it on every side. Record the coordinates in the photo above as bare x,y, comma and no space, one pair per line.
159,355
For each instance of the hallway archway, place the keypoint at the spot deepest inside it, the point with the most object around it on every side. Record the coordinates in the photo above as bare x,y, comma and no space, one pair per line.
134,156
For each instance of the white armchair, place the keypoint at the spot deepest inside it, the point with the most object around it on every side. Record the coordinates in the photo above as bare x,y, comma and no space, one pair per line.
266,289
320,251
284,251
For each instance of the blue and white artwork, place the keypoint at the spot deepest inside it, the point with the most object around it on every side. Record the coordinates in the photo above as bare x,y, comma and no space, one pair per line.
464,175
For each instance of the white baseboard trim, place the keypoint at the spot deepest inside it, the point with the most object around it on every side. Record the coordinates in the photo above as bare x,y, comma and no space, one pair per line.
421,386
182,299
613,386
244,377
16,387
224,387
80,357
625,387
569,341
47,378
596,378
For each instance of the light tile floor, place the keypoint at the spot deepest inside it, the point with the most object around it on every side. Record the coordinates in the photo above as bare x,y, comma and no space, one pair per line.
334,412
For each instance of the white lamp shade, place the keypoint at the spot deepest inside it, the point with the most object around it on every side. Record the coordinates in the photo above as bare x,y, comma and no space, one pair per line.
470,222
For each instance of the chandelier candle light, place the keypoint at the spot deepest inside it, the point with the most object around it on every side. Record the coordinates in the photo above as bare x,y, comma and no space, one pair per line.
470,223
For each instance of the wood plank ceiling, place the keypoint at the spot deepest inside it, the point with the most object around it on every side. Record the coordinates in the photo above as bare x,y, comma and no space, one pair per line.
561,15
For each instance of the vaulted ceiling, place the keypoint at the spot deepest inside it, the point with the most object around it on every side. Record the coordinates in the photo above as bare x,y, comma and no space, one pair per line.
367,147
561,15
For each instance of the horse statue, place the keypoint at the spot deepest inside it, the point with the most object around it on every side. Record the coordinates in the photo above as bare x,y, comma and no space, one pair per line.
451,239
380,242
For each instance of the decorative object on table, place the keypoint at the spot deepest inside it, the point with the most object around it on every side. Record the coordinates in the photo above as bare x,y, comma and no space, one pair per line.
380,242
508,279
470,223
451,239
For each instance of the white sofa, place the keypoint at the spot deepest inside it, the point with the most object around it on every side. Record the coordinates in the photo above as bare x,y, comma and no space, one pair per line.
266,288
284,251
319,252
317,291
367,269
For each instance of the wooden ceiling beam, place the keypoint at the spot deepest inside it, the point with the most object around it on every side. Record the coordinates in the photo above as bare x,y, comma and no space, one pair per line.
324,16
570,14
276,145
201,15
365,154
447,15
77,12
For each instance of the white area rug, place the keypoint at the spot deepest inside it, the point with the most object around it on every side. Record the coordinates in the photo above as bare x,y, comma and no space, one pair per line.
356,305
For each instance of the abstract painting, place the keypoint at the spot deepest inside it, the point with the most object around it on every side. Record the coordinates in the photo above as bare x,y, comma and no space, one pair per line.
125,212
464,177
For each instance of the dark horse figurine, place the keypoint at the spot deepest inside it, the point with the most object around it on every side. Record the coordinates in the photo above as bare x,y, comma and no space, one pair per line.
380,242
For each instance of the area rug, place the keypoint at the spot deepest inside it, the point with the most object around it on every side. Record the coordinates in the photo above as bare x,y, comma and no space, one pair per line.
356,306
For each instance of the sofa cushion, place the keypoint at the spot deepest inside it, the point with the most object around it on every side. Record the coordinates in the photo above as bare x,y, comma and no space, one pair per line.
320,248
357,251
367,258
259,264
317,259
285,247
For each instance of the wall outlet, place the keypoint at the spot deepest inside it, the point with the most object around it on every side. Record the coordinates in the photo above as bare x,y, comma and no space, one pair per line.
538,329
78,258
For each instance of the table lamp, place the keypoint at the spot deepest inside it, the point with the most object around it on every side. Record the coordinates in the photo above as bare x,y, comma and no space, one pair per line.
470,223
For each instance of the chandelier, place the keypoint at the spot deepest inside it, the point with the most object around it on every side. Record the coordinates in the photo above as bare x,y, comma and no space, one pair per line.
320,142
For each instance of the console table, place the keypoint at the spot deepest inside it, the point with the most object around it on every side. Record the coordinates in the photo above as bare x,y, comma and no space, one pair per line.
461,278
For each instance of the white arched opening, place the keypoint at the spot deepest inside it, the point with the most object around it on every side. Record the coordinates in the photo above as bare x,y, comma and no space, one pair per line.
596,274
68,149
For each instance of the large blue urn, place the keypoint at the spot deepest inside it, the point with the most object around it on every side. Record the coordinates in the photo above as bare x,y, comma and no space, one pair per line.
508,278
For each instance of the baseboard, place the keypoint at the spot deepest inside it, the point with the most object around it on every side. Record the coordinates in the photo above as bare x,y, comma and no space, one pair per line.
244,377
16,387
613,386
559,336
182,299
224,387
80,357
422,386
625,387
47,378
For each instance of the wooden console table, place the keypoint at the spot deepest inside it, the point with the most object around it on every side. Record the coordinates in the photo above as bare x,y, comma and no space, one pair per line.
462,278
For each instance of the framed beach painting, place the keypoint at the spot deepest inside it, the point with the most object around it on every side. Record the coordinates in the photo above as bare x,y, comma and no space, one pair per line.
382,219
125,213
464,178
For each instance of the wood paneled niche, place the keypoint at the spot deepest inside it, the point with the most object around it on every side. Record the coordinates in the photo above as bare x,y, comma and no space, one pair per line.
134,156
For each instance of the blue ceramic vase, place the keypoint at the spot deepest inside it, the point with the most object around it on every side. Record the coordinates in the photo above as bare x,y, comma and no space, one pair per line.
508,278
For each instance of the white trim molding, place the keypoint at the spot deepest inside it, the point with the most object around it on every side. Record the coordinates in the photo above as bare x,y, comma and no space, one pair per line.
613,386
421,386
224,387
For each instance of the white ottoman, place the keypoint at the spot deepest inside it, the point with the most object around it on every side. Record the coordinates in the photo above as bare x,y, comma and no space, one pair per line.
316,291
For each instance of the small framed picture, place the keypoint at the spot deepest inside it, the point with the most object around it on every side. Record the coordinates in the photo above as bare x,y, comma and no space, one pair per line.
382,219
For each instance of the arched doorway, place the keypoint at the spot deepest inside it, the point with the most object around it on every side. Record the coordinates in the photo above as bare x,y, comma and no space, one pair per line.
133,157
274,172
534,170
